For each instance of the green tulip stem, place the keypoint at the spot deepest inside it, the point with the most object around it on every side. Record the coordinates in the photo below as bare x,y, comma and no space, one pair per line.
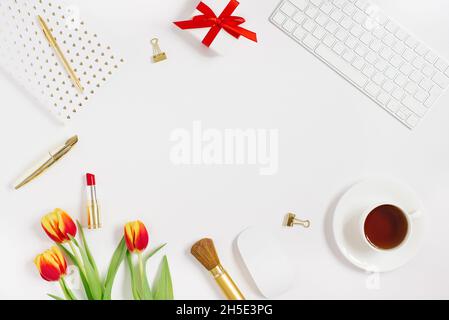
141,271
77,257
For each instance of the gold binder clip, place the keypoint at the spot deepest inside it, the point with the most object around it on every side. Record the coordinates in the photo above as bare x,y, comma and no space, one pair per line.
291,220
158,55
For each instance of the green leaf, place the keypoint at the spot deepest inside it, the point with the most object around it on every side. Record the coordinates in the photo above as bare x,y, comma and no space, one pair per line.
80,270
92,277
54,297
145,285
163,286
134,280
68,294
153,252
86,247
116,260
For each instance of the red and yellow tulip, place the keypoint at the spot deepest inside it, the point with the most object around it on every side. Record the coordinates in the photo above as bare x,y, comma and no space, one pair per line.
136,236
51,264
59,226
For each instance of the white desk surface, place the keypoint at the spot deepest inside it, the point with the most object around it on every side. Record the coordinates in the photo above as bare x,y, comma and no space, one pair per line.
330,137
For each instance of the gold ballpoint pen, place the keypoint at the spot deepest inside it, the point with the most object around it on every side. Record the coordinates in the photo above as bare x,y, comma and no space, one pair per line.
59,53
54,157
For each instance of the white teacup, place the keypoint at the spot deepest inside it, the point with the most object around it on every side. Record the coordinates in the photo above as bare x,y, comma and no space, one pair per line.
386,209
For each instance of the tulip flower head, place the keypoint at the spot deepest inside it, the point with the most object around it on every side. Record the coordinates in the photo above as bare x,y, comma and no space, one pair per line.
51,264
136,236
59,226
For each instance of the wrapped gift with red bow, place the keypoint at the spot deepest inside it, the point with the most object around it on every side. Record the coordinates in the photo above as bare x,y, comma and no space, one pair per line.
226,21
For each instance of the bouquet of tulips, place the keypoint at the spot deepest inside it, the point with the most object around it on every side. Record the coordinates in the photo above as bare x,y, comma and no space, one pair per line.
52,264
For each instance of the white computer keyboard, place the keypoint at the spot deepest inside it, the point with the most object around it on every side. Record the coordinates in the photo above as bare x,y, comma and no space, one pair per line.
371,51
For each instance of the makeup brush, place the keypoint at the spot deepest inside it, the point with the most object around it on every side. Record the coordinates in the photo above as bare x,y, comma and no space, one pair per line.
204,251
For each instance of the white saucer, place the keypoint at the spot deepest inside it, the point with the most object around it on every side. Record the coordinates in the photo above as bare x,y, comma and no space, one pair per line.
346,223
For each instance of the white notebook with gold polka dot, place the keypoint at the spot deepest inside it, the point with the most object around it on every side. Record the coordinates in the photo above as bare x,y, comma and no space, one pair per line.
28,57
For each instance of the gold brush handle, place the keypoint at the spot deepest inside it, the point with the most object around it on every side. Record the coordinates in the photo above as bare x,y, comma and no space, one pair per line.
227,285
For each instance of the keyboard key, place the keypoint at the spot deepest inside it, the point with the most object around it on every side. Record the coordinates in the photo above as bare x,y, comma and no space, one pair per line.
288,9
383,98
381,65
371,57
386,53
332,27
357,31
401,34
329,41
393,106
379,33
426,84
411,42
341,35
388,86
406,69
369,71
411,88
301,4
339,3
361,50
322,19
404,113
396,61
358,63
391,73
431,57
398,93
441,65
362,4
341,65
309,25
372,89
339,48
366,38
392,27
346,23
311,42
412,121
351,42
317,2
428,70
289,25
337,15
441,80
414,105
400,80
299,33
399,47
376,45
349,56
389,40
326,7
416,76
435,93
299,17
319,33
418,63
312,12
379,79
279,18
360,17
421,96
408,55
421,49
349,10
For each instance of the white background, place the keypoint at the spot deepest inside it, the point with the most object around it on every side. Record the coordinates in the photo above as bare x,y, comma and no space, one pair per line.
330,137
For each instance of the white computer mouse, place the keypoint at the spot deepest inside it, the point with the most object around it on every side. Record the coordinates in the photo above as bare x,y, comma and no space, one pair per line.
266,260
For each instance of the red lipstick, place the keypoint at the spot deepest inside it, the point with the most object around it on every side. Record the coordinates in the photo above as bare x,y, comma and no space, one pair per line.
93,209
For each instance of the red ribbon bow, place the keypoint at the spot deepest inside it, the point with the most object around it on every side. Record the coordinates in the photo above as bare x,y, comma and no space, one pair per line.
225,21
